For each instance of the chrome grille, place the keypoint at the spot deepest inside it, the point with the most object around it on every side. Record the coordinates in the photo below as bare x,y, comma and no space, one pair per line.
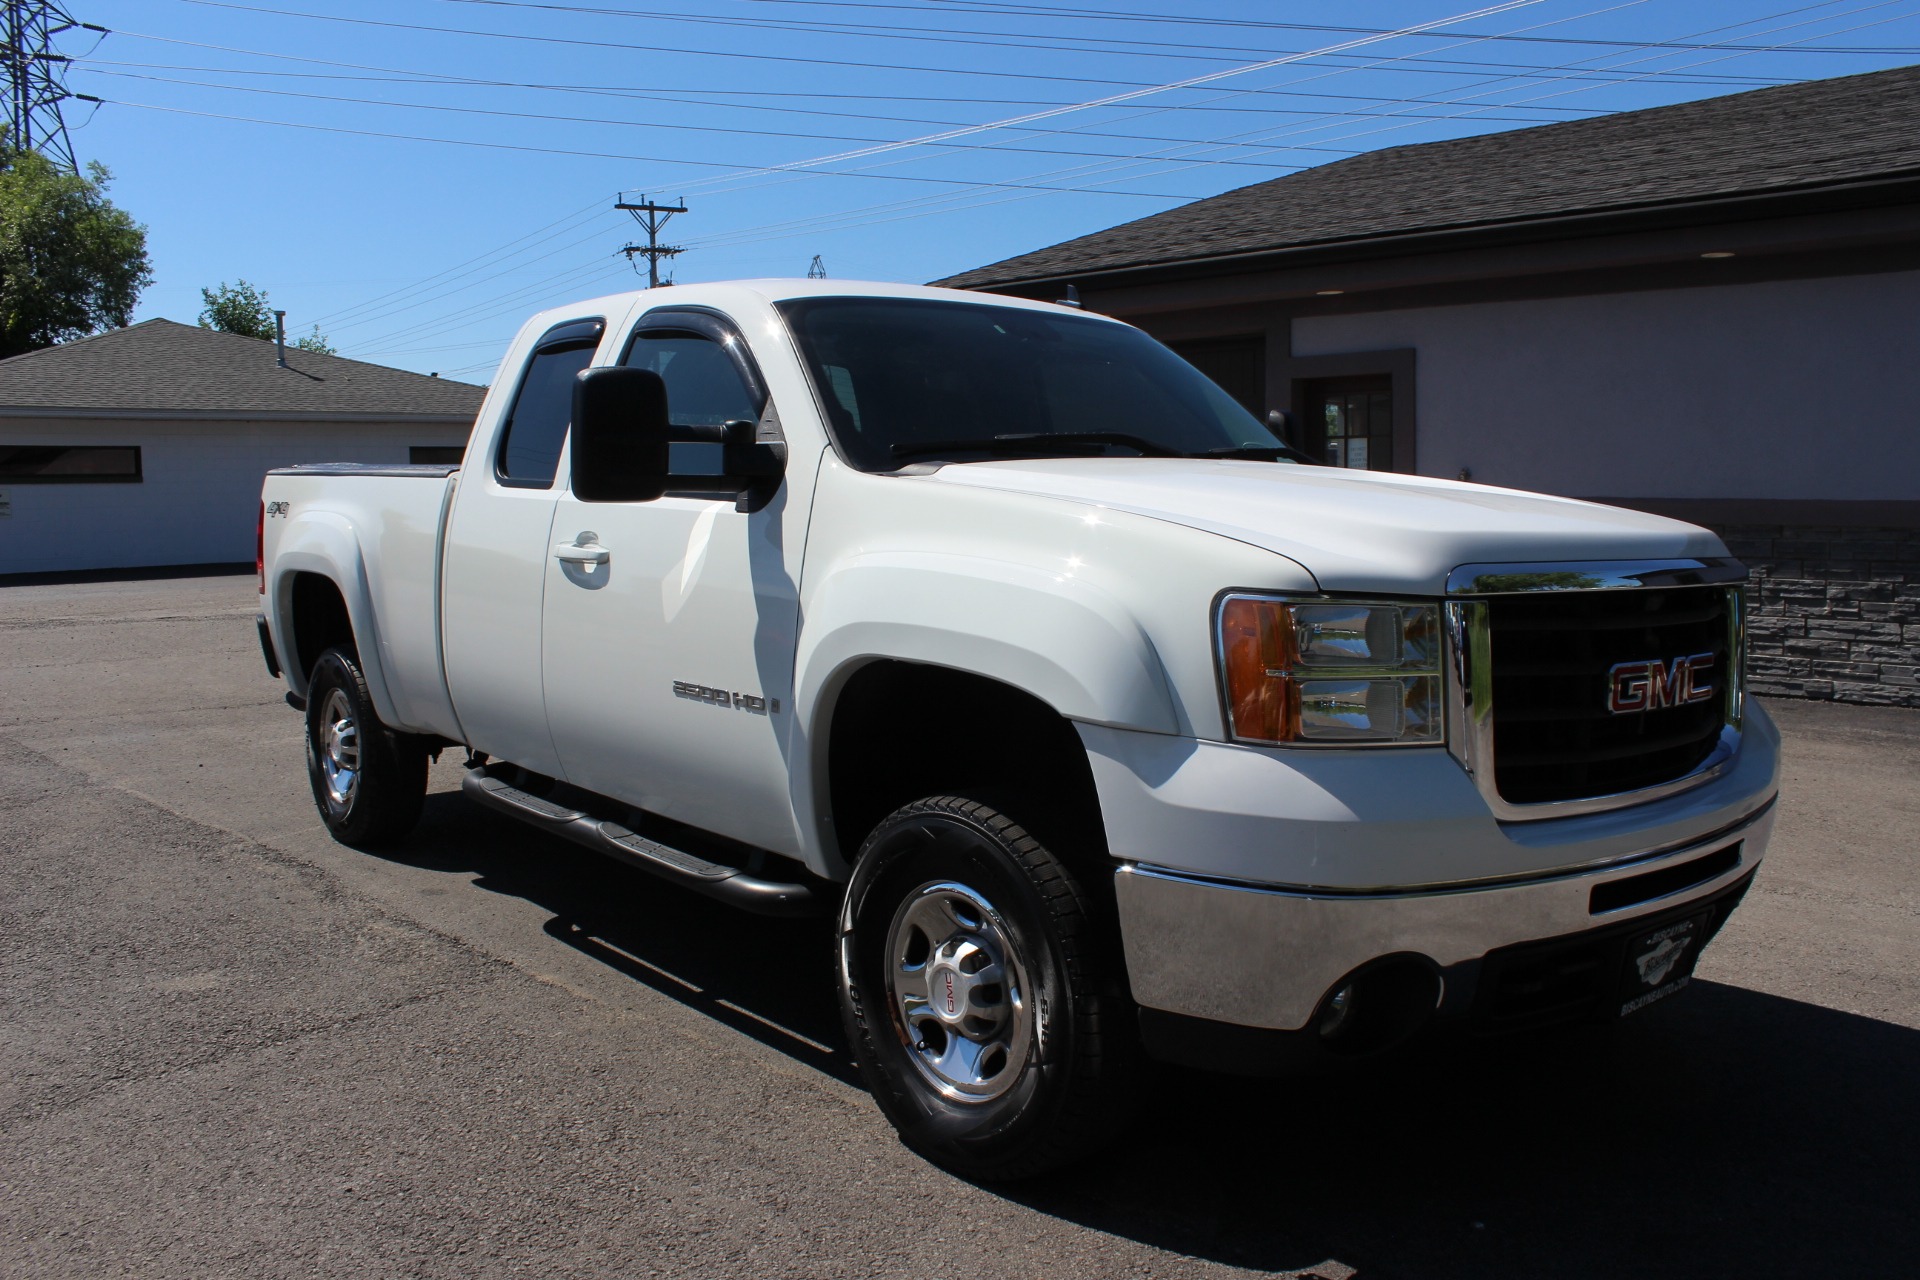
1533,652
1554,737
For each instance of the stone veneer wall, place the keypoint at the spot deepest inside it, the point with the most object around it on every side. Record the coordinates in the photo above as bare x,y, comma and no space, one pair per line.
1833,612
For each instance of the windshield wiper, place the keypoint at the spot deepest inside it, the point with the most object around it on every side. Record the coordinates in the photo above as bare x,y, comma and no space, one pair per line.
1258,452
1030,442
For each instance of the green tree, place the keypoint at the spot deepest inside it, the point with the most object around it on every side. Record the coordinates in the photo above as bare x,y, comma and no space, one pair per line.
71,263
237,308
316,342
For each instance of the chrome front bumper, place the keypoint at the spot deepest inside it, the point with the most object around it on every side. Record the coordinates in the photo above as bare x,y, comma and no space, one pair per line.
1262,956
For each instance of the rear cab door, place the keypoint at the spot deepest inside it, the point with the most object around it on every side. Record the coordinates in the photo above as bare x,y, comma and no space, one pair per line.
497,545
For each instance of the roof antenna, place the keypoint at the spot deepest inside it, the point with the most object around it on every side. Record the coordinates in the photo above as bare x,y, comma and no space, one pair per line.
1073,297
280,335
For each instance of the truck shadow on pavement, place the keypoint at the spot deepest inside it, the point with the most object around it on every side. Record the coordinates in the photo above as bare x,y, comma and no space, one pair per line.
765,978
1729,1133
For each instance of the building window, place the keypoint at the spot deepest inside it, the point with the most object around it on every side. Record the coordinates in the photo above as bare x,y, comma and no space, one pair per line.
1349,422
1353,408
69,464
439,454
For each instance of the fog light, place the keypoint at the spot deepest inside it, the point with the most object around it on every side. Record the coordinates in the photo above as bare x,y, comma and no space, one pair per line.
1339,1007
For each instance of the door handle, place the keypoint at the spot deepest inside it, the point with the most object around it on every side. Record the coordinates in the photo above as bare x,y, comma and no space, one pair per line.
581,553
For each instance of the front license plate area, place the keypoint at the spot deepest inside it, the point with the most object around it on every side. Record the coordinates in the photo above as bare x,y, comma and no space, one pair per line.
1660,962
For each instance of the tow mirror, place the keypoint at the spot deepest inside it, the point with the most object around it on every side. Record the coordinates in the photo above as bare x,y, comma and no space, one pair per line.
620,435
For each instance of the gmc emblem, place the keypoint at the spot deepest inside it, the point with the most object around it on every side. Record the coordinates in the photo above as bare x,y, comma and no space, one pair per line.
1649,685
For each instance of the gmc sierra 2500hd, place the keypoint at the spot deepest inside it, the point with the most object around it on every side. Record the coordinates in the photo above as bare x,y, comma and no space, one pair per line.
1107,730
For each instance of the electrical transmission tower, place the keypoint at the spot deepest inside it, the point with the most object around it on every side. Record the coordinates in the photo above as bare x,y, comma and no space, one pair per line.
652,217
33,67
818,271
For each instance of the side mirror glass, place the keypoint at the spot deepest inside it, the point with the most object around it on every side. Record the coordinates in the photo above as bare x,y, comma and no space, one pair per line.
620,435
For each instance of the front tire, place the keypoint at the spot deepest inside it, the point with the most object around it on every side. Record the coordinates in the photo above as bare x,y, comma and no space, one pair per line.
369,782
984,1000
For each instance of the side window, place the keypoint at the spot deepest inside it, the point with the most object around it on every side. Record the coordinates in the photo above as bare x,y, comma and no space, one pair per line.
704,389
537,423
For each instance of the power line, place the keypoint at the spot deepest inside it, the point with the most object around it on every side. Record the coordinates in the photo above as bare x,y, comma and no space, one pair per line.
993,8
427,294
617,90
735,55
454,272
1002,39
599,268
624,93
654,125
591,155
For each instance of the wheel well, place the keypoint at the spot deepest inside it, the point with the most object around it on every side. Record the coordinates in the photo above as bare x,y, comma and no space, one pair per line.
320,620
901,731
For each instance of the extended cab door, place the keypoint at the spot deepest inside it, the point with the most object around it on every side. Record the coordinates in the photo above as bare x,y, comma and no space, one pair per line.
669,645
497,554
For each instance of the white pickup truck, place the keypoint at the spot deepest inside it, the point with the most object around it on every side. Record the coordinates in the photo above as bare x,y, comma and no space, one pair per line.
1107,730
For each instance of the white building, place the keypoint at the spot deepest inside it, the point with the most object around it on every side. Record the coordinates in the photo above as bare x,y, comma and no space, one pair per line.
146,446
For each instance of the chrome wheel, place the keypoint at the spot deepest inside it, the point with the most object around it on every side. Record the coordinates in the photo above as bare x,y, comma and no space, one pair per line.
339,749
957,986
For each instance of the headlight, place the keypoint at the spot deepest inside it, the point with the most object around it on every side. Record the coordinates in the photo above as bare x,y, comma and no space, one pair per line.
1331,671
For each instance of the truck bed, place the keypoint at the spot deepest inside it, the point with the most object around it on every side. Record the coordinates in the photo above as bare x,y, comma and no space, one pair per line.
377,531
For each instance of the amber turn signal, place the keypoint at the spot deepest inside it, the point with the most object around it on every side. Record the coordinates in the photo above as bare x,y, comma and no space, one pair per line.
1257,643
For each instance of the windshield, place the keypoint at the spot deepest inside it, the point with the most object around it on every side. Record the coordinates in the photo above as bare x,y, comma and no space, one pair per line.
908,380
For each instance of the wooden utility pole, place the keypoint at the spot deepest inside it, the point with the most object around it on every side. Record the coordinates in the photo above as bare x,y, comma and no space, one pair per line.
652,217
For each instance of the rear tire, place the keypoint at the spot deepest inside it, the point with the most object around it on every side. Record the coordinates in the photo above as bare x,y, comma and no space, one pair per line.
984,1001
369,782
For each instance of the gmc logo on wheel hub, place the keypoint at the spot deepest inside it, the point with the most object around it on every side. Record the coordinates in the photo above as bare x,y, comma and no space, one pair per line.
1651,684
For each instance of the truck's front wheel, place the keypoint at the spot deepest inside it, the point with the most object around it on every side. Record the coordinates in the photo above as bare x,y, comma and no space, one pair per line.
982,999
368,781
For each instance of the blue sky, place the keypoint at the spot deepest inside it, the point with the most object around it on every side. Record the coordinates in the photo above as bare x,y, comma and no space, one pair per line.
416,176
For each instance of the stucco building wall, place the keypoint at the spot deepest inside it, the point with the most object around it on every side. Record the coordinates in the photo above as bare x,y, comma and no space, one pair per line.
197,501
1791,389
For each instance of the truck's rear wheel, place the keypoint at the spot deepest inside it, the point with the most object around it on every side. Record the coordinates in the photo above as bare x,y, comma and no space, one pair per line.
983,1002
368,781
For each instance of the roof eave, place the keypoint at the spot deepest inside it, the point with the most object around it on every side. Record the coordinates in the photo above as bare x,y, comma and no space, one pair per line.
1896,188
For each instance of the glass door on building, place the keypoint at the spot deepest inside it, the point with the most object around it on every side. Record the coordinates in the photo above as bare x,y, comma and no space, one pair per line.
1349,421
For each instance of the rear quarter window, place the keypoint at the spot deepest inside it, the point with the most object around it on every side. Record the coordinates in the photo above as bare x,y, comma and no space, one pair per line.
537,424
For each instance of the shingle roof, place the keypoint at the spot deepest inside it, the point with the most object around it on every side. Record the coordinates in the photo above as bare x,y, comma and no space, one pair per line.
161,365
1818,133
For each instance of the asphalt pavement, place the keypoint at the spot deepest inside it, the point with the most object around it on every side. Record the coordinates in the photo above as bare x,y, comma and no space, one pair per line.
231,1047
